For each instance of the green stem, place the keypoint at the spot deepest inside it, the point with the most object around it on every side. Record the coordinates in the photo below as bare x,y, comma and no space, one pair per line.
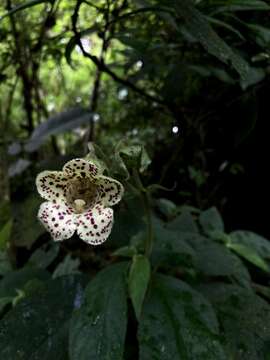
147,209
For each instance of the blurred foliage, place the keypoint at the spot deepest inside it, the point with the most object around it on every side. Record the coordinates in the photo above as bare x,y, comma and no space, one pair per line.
163,93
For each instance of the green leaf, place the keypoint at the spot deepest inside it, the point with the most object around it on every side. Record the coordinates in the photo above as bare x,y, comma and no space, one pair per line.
139,276
97,157
196,24
5,233
254,76
184,223
98,328
241,5
225,25
253,241
250,255
166,207
18,279
262,34
178,323
67,267
171,248
213,259
44,256
134,156
211,220
59,123
37,328
245,320
251,247
125,251
24,6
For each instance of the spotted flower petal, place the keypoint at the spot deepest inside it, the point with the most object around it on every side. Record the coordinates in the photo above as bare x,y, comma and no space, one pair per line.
51,184
95,225
58,219
79,200
110,190
81,168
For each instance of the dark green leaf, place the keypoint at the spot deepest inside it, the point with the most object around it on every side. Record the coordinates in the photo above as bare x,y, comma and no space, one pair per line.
211,220
139,276
241,5
183,223
98,328
17,280
254,76
178,323
125,251
262,34
245,320
171,248
166,207
213,259
200,29
225,25
134,156
44,256
67,267
37,328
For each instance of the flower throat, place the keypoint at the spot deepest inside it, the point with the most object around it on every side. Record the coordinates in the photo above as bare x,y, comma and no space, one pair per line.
81,194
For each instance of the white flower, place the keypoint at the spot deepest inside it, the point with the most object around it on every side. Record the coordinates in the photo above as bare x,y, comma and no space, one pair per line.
79,199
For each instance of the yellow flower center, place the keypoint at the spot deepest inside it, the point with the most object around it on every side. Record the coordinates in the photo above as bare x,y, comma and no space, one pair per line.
81,194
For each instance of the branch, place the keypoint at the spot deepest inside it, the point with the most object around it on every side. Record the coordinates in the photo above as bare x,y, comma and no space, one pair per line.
140,11
22,63
101,64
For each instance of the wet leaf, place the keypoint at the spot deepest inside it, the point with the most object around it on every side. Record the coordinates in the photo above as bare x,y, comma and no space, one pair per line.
245,320
37,328
98,328
178,323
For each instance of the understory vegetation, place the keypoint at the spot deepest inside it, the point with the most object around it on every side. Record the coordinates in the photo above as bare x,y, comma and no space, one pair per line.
164,105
